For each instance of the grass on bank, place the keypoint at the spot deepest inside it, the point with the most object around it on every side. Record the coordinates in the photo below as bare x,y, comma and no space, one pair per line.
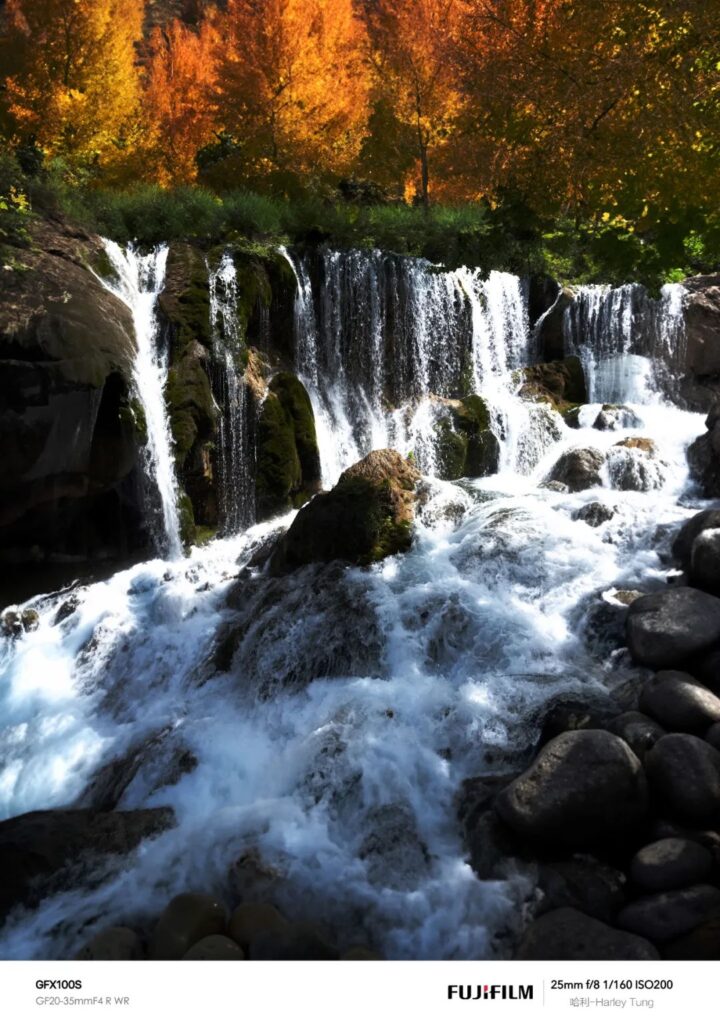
508,236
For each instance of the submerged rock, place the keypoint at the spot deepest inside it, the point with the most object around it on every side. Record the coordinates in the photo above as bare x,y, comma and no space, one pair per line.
666,629
617,417
367,516
567,934
632,465
43,851
578,469
594,513
584,788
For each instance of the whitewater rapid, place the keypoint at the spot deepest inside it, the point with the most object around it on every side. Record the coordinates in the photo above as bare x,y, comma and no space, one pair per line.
327,755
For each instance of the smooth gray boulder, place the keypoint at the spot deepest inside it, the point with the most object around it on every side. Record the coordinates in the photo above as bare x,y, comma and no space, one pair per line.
684,774
705,561
567,934
667,915
671,864
668,628
679,703
584,788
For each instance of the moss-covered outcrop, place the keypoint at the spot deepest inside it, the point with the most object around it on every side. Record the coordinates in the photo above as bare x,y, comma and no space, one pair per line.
366,517
287,455
466,445
560,384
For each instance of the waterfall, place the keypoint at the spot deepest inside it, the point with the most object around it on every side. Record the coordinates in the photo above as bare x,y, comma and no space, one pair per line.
380,340
628,342
234,456
139,281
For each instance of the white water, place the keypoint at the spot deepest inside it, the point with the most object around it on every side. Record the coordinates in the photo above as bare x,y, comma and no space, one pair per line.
234,460
139,281
330,753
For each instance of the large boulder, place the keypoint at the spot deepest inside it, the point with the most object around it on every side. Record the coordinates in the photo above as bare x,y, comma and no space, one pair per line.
697,549
677,701
671,864
584,789
367,516
70,431
666,915
560,384
633,465
684,776
577,469
568,934
667,628
46,850
287,454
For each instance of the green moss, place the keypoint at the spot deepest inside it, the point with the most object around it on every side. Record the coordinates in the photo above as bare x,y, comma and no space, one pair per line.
187,520
278,469
204,534
466,446
452,448
296,402
190,405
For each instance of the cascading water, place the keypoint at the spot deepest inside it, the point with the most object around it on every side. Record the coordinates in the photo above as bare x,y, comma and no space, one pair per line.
138,282
631,345
234,455
327,720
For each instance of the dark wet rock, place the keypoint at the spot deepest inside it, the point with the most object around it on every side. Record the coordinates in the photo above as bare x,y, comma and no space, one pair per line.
568,934
617,417
66,353
214,947
705,561
465,443
702,943
296,942
706,670
578,469
712,736
188,918
585,788
594,513
335,631
113,944
367,516
287,454
252,919
391,847
488,840
632,465
43,851
550,331
638,731
671,864
583,883
667,628
684,775
667,915
679,703
360,953
569,713
560,384
683,543
703,457
626,694
702,325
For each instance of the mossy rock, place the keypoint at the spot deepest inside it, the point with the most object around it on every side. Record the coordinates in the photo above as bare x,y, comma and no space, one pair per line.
187,520
366,517
190,403
560,384
288,459
185,299
466,446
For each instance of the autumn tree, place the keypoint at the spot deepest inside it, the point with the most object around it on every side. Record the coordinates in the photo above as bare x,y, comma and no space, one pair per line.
179,76
73,82
415,80
291,87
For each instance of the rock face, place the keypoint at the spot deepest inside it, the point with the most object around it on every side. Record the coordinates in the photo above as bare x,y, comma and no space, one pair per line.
45,850
367,516
584,788
549,330
578,469
66,353
702,325
560,384
684,775
703,456
666,629
567,934
466,446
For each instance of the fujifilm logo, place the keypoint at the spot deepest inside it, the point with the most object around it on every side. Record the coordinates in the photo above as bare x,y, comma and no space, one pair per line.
490,992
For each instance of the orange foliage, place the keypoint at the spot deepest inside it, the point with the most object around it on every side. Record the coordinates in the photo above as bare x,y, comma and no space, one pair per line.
291,86
179,76
75,85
